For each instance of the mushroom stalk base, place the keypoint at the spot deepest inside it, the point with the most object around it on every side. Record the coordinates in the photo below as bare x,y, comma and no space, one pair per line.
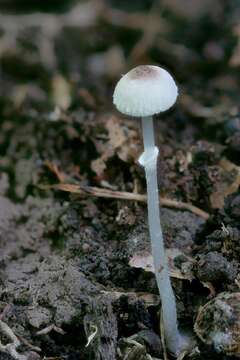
149,160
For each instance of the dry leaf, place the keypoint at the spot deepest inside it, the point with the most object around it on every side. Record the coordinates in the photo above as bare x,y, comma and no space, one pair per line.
218,197
121,141
98,166
144,261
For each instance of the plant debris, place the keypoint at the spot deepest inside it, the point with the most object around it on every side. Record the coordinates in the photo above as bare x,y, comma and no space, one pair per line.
75,263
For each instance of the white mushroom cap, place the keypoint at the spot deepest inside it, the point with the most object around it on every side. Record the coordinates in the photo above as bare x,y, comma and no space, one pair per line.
144,91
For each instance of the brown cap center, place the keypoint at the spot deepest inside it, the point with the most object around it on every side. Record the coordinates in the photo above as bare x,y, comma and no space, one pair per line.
142,71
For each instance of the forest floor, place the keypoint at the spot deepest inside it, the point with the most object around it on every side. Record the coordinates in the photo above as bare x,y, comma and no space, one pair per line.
76,278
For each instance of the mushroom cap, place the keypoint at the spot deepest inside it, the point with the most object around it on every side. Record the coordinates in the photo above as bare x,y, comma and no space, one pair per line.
144,91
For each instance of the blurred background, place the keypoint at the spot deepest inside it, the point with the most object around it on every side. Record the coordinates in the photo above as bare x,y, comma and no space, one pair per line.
60,60
87,41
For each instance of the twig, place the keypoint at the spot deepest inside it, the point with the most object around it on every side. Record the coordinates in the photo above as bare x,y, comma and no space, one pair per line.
54,168
49,328
28,344
182,355
123,195
92,336
10,348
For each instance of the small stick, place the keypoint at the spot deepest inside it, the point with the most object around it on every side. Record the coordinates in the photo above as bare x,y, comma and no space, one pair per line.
123,195
54,168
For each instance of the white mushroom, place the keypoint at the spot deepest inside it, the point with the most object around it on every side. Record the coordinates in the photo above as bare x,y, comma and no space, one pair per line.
144,91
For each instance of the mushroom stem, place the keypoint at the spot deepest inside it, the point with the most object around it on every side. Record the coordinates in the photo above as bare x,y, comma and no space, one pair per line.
149,160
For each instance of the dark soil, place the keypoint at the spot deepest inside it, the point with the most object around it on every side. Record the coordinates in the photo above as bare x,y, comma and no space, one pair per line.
75,270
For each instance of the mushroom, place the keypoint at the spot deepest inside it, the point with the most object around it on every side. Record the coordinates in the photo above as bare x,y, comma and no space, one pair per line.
142,92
